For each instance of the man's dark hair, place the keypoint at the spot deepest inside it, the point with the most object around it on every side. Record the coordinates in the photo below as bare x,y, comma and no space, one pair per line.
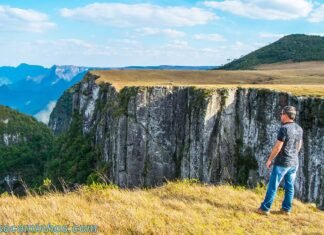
290,111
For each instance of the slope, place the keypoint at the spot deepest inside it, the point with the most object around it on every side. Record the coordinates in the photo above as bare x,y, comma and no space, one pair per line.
293,48
25,145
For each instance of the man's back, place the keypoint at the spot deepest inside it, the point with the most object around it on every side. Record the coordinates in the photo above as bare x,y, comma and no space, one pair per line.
291,134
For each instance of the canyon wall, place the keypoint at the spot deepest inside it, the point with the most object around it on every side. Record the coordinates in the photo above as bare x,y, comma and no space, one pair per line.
148,135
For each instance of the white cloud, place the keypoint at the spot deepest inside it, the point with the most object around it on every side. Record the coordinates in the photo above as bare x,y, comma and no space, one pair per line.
44,115
317,15
178,44
264,9
316,34
239,44
71,51
210,50
119,15
237,50
128,41
146,31
210,37
76,42
271,35
17,19
73,46
66,42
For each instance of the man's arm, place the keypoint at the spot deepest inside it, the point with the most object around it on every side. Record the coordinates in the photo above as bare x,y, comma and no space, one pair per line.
275,150
299,145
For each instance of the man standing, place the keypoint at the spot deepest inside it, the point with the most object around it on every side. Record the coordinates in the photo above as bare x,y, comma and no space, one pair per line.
286,149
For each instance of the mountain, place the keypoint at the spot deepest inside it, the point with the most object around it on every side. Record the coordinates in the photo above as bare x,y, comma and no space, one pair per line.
9,75
291,48
32,89
25,145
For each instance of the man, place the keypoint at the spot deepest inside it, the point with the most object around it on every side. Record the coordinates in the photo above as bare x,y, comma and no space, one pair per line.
286,149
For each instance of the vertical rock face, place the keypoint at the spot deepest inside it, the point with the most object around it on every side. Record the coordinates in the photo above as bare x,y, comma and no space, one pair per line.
148,135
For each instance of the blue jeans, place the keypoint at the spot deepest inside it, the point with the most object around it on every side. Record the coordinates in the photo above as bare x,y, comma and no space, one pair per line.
278,173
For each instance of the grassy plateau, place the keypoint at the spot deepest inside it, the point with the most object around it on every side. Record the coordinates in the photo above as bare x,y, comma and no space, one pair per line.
301,79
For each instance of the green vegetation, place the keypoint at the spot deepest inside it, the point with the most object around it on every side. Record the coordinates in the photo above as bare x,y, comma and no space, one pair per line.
198,100
74,157
124,96
39,157
24,153
224,95
37,160
295,48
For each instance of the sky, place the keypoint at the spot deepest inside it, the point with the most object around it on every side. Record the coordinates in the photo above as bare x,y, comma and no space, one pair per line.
123,33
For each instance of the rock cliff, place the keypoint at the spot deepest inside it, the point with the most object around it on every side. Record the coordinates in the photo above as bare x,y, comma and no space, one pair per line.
147,135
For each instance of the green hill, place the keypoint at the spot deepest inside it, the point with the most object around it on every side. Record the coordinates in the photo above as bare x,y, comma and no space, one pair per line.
25,145
293,48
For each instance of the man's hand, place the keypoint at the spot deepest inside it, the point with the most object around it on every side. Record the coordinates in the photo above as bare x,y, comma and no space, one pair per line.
275,150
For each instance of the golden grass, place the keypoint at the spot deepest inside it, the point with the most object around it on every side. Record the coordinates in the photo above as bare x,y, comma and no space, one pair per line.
180,207
301,79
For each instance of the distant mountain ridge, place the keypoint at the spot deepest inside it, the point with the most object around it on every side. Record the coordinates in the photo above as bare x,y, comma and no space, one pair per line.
167,67
9,75
293,48
33,89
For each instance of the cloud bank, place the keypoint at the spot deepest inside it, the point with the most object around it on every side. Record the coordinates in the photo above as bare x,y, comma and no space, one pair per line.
44,115
17,19
121,15
264,9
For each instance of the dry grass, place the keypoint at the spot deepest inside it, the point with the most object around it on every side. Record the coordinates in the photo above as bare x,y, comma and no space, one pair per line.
179,207
305,78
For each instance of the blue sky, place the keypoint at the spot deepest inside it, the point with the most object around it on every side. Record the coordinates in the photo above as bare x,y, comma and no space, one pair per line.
122,33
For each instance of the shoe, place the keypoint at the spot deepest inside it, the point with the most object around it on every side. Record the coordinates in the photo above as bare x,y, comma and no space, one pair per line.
262,212
284,212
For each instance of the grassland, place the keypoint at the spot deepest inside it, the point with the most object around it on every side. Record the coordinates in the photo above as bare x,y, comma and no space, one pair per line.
178,207
301,79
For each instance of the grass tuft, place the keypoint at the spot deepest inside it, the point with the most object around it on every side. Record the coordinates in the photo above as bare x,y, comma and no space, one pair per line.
177,207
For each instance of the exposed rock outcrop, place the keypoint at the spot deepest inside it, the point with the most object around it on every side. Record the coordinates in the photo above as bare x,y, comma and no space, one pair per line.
149,134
